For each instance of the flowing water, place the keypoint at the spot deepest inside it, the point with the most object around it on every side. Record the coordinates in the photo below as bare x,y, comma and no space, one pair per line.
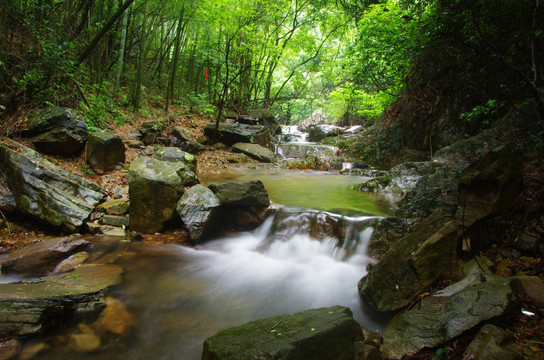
181,295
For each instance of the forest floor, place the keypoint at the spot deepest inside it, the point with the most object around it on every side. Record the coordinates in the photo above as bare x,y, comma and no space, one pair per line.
529,330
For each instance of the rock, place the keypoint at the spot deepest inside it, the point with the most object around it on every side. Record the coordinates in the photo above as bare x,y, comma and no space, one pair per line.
182,133
114,220
199,209
319,132
238,159
150,131
492,342
440,319
9,349
387,231
155,188
42,257
36,307
318,117
526,241
255,151
318,334
57,131
36,187
71,262
230,134
116,318
490,184
411,265
105,229
172,154
296,151
114,207
467,149
237,193
104,151
529,288
85,342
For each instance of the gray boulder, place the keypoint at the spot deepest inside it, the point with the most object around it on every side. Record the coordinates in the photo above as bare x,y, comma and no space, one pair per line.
199,209
230,134
150,131
34,186
318,334
319,132
440,319
237,193
255,151
182,133
154,188
104,151
173,154
411,265
42,257
36,307
57,131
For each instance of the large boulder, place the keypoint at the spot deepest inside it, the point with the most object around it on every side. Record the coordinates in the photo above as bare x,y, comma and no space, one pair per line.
439,319
35,307
411,265
318,334
154,188
57,131
105,150
490,184
175,155
34,186
244,204
43,257
319,132
492,342
230,134
199,209
255,151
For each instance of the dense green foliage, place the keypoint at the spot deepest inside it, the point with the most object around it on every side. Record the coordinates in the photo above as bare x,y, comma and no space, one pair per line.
352,59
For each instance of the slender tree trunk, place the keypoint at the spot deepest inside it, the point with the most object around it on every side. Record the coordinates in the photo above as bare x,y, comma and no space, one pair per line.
122,45
173,70
137,88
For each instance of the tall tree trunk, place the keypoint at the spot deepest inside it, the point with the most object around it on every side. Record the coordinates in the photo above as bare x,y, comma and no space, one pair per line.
137,88
175,60
122,45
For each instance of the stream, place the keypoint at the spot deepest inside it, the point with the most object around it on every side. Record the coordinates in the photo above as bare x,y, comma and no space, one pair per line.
181,295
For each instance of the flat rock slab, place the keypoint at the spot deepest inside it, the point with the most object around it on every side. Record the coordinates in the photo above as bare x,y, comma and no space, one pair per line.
33,307
42,258
318,334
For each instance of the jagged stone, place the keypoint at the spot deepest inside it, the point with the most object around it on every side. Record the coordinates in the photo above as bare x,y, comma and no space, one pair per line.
495,343
439,319
36,187
199,209
173,154
57,131
318,334
411,265
114,207
105,150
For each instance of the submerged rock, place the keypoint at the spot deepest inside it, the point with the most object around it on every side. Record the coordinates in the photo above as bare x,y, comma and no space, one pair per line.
116,318
57,131
34,186
318,334
42,258
34,307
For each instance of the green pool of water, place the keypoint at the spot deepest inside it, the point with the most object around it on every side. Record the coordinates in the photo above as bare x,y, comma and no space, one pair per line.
313,190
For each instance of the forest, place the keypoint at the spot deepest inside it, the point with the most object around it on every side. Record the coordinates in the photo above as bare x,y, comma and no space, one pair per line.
163,178
352,59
